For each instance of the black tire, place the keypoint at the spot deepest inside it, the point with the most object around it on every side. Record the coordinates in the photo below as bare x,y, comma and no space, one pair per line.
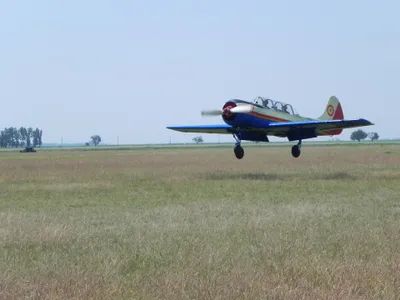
296,151
239,152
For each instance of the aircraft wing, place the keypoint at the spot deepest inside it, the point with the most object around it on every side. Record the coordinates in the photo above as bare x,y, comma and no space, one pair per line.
280,128
220,128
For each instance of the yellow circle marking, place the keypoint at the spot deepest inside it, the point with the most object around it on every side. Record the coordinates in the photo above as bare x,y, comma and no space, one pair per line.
330,110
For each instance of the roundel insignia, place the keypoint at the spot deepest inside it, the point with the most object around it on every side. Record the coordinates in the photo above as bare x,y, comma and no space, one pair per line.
330,110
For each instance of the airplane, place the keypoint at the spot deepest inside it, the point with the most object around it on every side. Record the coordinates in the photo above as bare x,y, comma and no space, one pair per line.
263,117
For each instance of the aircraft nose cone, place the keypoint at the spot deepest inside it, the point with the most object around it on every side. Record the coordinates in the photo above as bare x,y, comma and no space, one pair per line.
227,110
226,113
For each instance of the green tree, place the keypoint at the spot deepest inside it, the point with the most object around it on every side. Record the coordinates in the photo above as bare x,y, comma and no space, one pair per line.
4,138
358,135
198,139
23,133
35,136
28,137
374,136
95,139
17,137
40,137
11,137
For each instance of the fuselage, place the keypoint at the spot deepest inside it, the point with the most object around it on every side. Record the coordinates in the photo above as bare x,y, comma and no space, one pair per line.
259,116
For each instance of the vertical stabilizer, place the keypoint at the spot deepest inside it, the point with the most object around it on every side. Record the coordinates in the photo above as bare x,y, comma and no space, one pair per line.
333,110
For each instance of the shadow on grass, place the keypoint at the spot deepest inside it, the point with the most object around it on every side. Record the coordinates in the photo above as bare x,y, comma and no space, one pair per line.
334,176
277,176
246,176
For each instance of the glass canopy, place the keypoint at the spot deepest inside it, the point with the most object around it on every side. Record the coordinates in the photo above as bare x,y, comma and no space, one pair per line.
275,105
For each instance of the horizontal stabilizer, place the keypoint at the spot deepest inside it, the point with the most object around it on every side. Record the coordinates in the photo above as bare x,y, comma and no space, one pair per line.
321,125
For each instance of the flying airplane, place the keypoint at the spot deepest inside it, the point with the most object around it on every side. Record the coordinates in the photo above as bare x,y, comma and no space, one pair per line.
263,117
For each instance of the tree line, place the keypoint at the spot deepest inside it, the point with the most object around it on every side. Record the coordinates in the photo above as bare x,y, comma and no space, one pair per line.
13,137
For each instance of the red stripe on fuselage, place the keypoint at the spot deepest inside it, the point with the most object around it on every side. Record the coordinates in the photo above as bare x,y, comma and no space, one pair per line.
268,117
271,118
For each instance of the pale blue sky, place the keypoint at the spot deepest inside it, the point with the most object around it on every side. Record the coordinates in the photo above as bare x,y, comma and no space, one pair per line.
130,68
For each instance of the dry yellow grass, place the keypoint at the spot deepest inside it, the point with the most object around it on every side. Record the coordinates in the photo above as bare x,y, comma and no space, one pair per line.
199,224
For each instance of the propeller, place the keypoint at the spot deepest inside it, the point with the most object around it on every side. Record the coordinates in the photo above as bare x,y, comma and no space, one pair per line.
233,110
213,112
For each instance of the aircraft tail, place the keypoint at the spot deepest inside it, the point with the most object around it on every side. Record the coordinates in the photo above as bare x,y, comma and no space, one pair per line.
333,111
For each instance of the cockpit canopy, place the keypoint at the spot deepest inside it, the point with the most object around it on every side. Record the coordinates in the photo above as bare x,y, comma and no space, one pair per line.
275,105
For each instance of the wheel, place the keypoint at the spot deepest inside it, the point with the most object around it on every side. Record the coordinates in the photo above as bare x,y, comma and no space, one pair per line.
296,151
239,152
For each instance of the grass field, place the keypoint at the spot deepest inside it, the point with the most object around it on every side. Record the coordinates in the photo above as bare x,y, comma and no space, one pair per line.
200,224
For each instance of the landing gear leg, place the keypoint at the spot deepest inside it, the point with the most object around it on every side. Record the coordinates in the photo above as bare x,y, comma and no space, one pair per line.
239,152
296,149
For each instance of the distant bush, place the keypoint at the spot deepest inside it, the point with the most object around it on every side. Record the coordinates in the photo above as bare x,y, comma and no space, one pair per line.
358,135
198,139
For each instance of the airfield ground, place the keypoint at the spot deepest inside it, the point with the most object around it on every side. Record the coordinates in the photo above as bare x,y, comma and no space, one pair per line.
200,224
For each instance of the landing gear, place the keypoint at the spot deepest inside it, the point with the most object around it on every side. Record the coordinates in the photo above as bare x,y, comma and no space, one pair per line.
296,150
239,152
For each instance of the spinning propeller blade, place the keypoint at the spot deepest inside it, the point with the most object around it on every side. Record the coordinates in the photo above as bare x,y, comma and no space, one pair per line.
233,110
214,112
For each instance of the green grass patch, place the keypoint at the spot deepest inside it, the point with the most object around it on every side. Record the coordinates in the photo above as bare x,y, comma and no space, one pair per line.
200,224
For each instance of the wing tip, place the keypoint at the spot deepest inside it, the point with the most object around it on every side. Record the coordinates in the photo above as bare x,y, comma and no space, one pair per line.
366,122
177,128
221,128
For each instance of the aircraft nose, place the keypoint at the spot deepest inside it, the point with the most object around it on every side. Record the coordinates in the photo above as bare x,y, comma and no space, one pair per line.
226,110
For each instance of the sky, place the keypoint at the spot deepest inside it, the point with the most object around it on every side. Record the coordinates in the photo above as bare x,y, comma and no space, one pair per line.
128,69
